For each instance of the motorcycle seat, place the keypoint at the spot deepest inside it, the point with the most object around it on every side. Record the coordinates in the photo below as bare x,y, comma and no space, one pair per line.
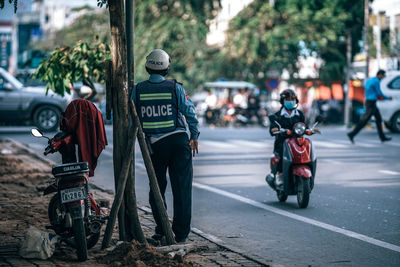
70,168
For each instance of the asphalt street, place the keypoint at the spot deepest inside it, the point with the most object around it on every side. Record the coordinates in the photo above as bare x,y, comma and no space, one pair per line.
353,218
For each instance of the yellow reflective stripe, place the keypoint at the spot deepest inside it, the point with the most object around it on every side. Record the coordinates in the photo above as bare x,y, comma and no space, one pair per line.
156,96
160,124
157,122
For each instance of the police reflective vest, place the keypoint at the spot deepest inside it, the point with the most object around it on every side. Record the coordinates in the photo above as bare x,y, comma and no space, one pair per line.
157,106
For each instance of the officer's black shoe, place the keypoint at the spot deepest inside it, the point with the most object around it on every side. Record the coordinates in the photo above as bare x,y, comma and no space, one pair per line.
157,236
386,139
180,239
351,138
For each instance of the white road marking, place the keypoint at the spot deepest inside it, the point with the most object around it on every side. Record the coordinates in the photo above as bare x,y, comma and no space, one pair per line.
217,144
389,172
255,144
329,144
300,218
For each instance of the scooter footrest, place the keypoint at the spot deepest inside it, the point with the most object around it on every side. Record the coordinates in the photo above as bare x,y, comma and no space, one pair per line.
271,181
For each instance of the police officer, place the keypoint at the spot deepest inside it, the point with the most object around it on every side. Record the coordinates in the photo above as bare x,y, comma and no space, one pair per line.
161,105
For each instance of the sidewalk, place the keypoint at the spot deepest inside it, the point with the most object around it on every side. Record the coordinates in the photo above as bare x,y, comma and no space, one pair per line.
23,177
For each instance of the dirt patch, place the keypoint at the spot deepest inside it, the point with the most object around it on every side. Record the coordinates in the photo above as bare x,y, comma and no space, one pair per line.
137,254
23,178
22,204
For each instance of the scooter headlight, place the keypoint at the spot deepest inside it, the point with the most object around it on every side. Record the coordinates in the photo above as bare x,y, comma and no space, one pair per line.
299,128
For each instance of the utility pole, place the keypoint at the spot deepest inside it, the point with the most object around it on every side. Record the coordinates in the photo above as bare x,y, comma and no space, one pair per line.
130,40
347,104
366,32
379,37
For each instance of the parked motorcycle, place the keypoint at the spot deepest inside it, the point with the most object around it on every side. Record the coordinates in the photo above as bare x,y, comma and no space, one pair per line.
299,163
72,211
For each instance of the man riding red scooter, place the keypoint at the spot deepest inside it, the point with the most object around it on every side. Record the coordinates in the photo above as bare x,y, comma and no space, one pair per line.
293,165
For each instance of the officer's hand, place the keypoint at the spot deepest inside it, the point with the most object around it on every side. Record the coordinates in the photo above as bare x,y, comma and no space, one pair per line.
194,144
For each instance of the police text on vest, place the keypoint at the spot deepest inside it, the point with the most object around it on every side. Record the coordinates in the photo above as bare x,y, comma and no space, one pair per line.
157,110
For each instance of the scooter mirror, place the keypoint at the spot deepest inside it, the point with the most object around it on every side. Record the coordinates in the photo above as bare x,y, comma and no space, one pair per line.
36,133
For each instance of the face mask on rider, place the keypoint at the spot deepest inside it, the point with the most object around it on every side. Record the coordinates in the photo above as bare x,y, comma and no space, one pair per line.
289,104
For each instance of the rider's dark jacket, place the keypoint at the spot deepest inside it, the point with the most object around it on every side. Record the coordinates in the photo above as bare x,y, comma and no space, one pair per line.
286,121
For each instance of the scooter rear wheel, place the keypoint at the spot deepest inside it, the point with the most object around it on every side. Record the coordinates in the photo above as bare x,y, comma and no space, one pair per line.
78,228
281,196
56,218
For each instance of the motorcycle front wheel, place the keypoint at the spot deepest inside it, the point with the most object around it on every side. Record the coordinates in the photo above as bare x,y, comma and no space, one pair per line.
78,228
56,218
303,191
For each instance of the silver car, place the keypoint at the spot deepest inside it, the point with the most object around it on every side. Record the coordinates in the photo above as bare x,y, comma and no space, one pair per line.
20,104
390,109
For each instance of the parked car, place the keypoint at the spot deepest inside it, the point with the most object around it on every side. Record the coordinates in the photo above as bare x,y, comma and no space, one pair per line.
390,109
21,104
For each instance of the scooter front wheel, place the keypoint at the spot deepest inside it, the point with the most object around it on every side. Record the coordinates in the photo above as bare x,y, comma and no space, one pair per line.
303,191
281,196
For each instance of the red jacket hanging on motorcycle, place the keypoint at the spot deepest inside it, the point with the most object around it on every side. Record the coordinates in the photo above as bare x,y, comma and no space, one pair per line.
84,122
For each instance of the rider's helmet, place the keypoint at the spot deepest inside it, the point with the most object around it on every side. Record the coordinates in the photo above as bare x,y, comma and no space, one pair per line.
288,93
158,62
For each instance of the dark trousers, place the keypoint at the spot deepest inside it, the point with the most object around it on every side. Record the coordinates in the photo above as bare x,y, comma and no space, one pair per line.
371,110
278,151
173,153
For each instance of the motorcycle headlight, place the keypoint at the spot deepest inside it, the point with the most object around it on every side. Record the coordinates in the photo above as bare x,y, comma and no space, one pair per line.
299,128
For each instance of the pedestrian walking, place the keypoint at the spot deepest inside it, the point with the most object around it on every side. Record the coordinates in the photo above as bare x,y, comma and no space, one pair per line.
163,109
373,93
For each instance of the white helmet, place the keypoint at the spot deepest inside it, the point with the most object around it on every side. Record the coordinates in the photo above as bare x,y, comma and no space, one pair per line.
158,59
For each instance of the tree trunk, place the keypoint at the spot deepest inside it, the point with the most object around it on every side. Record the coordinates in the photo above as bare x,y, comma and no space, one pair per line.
134,230
122,181
119,96
129,225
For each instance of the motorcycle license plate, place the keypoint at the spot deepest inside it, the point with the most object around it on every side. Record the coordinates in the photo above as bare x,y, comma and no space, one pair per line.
72,194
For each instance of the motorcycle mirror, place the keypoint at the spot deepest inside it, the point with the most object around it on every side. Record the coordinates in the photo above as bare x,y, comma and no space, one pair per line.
37,133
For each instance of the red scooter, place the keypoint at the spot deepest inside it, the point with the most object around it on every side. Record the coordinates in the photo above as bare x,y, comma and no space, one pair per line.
298,163
72,211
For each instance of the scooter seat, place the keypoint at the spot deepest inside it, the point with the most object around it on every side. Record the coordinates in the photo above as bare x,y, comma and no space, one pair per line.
70,168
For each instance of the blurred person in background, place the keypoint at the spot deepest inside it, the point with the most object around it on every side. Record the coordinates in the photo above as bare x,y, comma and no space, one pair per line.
373,93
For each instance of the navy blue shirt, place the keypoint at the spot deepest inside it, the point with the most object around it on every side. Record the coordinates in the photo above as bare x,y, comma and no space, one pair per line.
185,108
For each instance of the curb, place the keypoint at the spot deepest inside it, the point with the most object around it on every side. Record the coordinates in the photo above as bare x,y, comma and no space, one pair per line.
30,151
209,237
